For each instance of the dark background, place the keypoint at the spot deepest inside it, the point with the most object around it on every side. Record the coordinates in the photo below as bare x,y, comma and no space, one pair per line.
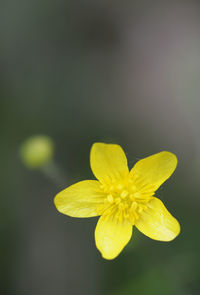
125,72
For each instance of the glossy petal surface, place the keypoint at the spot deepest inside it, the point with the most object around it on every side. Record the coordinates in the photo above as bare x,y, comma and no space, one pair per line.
154,170
83,199
157,223
112,235
108,162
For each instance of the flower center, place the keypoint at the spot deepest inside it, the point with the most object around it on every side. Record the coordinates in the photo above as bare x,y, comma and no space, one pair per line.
126,199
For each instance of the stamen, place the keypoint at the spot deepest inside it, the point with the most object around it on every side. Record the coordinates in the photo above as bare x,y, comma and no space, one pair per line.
120,186
126,199
121,206
133,188
131,218
131,197
126,215
119,215
124,194
136,195
143,206
134,206
136,215
110,198
112,188
140,209
117,201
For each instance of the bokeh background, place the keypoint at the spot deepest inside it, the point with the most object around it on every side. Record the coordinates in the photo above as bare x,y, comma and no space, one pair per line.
125,72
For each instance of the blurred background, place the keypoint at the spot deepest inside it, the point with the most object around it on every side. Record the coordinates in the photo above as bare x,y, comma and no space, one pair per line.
125,72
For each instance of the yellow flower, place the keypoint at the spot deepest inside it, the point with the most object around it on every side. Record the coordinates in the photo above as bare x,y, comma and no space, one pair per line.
122,198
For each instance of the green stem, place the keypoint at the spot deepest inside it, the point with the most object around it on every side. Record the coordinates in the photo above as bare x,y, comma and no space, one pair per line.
52,171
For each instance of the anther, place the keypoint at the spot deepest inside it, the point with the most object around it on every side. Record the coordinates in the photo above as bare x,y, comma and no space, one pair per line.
124,194
110,198
134,206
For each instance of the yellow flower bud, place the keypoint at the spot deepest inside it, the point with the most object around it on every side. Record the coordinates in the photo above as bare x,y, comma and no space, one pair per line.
37,151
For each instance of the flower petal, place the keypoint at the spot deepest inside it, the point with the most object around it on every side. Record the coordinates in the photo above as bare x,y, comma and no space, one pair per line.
157,223
83,199
112,235
108,162
154,170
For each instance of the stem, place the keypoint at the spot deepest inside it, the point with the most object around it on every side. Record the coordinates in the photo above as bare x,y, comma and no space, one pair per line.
52,171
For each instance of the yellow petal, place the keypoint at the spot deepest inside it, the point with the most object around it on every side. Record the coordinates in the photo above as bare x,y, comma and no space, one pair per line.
154,170
83,199
157,223
108,162
112,235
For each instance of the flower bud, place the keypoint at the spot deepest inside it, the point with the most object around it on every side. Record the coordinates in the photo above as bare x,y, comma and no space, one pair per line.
37,151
